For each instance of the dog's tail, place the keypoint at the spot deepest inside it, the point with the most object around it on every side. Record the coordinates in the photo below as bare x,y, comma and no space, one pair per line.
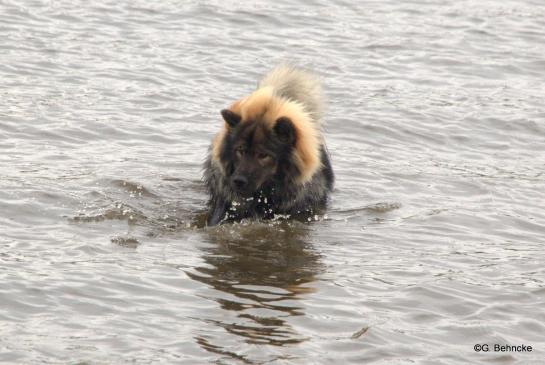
297,85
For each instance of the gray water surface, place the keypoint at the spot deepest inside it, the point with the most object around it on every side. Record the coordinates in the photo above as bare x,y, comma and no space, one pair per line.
434,240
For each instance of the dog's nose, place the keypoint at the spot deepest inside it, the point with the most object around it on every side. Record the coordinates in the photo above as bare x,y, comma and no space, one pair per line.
240,181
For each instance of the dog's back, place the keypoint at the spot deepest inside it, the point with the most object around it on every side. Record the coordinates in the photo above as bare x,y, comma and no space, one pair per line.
297,85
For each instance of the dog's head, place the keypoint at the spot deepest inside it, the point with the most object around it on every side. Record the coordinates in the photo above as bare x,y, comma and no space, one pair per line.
254,154
266,139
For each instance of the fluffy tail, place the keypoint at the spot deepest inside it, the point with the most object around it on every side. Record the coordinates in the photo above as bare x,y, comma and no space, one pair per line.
298,85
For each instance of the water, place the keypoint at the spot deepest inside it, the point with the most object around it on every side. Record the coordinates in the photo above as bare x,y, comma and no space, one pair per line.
434,239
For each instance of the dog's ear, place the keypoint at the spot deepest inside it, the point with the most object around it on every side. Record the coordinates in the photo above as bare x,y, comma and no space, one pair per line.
285,131
230,118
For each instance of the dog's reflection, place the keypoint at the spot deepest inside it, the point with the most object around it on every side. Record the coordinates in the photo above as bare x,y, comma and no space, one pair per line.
259,272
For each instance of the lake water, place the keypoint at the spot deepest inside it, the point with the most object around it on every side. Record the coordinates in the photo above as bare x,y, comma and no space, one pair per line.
434,239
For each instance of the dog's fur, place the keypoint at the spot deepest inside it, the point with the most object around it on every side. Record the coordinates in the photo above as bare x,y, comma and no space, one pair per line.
269,158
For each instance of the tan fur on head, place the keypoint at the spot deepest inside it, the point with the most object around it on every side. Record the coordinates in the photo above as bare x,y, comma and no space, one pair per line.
216,146
265,106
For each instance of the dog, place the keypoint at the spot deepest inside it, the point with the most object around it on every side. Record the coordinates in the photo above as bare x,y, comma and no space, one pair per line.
270,159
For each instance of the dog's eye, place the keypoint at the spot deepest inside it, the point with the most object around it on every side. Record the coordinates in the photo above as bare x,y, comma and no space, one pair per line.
240,151
263,156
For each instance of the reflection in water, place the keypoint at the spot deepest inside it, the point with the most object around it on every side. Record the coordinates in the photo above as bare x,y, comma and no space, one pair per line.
259,271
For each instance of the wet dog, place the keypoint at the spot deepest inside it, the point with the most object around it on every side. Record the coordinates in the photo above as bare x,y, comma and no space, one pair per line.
269,159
